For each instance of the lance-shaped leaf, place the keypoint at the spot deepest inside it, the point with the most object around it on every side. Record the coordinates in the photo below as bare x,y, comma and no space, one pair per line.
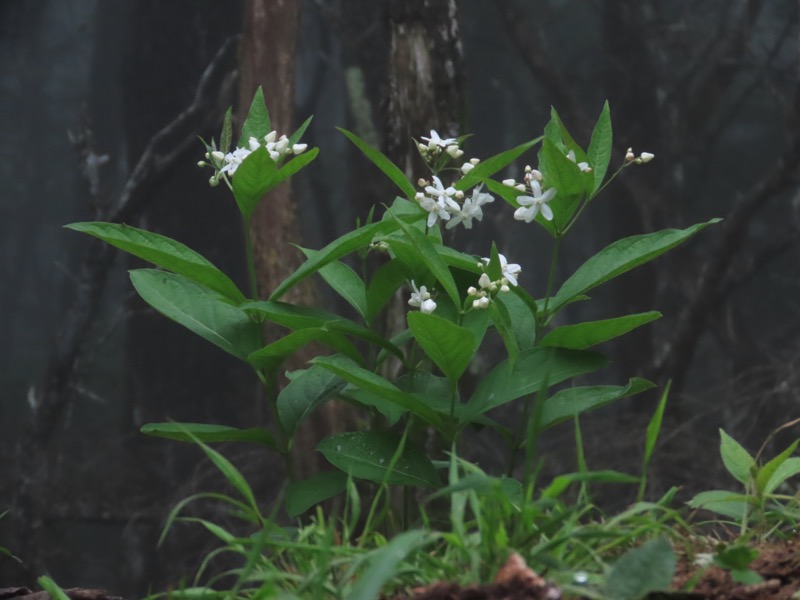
301,317
590,333
369,455
533,370
270,357
163,252
620,257
344,281
384,564
488,167
383,286
191,432
599,153
302,495
391,170
349,242
199,309
736,459
367,380
307,390
570,402
257,123
426,249
449,346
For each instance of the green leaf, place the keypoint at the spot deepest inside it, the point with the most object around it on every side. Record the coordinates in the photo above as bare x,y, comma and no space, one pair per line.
737,556
723,502
390,410
258,174
501,318
257,123
163,252
599,152
449,346
488,167
253,178
620,257
302,317
561,483
569,402
350,371
270,357
560,172
389,169
295,137
383,286
349,242
765,473
198,309
226,136
590,333
234,477
191,432
533,370
369,454
52,588
344,281
788,468
648,568
383,564
302,495
522,315
736,459
427,251
654,427
307,390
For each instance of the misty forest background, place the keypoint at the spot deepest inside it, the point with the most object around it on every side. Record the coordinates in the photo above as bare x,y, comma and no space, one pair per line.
100,106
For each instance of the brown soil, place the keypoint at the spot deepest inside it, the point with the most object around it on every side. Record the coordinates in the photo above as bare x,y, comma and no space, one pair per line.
778,564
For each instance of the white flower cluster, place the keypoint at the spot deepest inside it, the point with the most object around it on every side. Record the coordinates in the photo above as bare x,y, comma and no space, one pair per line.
436,145
451,205
421,299
488,288
278,147
536,203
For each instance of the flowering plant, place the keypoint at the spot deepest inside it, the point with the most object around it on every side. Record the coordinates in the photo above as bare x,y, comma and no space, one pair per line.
411,379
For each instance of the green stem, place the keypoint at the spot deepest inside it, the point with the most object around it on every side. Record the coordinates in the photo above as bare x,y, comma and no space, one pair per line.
551,278
251,263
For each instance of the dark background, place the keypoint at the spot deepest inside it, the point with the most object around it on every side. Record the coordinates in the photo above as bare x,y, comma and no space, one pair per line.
710,87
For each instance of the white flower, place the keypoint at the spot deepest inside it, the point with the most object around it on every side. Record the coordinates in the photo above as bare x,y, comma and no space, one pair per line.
471,209
253,143
233,160
533,205
421,298
583,166
646,157
435,141
439,202
510,270
299,148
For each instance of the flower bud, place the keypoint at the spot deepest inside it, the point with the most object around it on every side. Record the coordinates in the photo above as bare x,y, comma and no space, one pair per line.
299,148
471,291
271,136
474,161
467,167
483,302
201,163
213,181
459,195
282,145
504,288
217,155
536,174
646,157
509,182
253,143
484,280
521,187
421,182
419,196
629,156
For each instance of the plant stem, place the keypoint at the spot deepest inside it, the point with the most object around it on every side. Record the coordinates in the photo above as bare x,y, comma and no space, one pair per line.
551,277
251,263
